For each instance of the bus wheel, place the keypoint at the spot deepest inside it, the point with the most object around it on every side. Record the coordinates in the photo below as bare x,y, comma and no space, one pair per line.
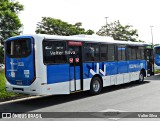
141,77
96,86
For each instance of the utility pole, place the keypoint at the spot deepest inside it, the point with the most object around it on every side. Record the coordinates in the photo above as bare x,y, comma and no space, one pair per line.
152,35
106,24
106,21
152,51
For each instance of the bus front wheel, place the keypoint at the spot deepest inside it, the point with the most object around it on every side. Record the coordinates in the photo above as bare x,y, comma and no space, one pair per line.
95,86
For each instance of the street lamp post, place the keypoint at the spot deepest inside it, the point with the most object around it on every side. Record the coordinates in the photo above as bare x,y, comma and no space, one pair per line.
106,20
152,35
152,50
106,24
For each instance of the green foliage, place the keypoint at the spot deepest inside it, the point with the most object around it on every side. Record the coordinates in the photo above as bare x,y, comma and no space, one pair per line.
119,32
53,26
9,21
1,55
3,93
7,95
157,71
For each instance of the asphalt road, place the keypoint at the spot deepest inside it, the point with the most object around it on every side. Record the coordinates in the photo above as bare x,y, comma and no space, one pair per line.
129,97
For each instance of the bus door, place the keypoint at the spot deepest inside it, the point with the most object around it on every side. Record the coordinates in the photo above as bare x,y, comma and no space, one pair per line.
150,61
75,60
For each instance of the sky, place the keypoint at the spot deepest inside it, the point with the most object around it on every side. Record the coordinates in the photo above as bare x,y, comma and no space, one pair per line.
141,14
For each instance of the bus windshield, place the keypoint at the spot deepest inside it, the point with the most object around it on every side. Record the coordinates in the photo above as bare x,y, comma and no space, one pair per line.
18,48
157,51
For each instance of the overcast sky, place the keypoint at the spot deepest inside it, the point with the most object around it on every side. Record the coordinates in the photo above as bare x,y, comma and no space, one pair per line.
141,14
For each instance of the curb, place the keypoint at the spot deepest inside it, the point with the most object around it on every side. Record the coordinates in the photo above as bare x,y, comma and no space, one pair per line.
21,99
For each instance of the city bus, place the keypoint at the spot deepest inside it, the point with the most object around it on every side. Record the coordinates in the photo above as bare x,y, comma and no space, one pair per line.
157,55
51,65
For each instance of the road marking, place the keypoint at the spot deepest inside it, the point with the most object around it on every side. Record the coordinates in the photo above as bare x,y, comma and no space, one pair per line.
111,112
21,99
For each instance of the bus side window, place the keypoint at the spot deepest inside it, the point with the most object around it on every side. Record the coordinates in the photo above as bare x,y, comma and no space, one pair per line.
157,50
121,53
142,54
129,53
88,55
91,52
111,53
103,52
132,53
54,52
134,56
138,53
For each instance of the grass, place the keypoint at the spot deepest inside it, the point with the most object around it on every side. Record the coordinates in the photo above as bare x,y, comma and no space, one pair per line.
3,93
157,71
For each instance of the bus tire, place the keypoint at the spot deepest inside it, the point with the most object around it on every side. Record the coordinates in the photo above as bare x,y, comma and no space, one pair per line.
95,86
141,77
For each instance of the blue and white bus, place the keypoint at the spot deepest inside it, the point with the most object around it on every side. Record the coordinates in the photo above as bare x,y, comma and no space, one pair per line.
157,55
50,64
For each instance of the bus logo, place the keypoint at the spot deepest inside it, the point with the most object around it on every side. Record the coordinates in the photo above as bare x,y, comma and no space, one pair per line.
98,70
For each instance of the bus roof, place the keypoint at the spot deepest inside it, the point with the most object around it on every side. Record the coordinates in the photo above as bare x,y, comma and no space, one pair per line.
157,46
85,38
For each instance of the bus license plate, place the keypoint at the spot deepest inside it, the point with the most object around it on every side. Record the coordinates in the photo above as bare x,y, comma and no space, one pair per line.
19,82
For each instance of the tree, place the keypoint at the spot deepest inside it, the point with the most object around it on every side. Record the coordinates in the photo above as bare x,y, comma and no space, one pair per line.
53,26
1,55
119,32
9,21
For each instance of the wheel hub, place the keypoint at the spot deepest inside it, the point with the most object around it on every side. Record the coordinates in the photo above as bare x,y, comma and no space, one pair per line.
96,86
